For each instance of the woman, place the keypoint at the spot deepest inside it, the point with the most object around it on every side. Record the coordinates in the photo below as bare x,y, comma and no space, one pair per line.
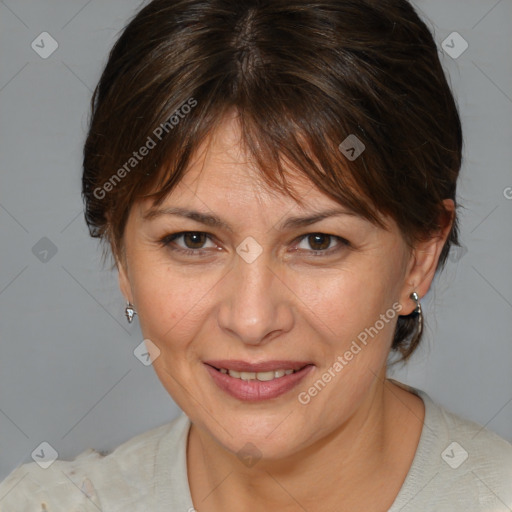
277,184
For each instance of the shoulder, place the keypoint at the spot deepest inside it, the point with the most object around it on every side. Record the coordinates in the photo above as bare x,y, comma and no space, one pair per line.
468,464
477,464
62,485
477,450
90,480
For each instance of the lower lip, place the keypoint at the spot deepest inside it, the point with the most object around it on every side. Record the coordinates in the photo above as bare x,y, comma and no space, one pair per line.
256,390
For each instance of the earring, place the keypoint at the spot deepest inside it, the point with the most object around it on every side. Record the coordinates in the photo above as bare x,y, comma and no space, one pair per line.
414,296
129,311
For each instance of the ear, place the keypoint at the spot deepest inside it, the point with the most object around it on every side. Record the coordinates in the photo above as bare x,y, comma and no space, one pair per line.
119,254
124,281
423,262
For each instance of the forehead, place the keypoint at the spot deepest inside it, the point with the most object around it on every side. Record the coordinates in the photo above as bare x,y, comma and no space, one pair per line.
223,173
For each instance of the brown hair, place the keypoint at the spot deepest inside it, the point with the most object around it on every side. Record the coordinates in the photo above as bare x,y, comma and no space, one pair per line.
303,76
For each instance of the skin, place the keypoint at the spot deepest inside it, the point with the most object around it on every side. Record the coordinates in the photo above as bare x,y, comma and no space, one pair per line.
354,442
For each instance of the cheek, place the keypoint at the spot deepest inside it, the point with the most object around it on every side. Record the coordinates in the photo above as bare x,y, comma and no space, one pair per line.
171,303
345,314
343,303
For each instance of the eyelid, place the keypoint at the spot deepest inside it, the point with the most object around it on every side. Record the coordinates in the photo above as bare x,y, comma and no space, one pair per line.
342,242
168,240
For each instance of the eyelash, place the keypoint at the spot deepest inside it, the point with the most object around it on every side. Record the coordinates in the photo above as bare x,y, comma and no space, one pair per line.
167,240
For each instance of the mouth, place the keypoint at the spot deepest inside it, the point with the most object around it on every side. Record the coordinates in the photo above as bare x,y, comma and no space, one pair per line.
257,381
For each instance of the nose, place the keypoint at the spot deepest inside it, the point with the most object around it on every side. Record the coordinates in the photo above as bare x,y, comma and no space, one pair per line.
256,304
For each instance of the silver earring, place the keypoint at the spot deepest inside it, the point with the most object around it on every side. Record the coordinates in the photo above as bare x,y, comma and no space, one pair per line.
129,311
414,296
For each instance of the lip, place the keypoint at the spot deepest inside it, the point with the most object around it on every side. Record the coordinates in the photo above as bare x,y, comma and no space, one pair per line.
255,390
262,366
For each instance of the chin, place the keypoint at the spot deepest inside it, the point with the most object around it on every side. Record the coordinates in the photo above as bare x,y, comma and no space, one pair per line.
263,433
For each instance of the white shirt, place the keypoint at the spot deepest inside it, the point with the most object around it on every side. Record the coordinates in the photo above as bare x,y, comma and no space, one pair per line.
459,466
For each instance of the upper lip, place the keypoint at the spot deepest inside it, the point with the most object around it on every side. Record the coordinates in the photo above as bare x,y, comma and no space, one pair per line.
262,366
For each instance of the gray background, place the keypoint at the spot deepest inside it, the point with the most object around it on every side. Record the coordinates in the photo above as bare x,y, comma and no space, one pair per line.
68,374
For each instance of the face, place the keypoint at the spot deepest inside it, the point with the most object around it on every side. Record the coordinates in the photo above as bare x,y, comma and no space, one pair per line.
254,291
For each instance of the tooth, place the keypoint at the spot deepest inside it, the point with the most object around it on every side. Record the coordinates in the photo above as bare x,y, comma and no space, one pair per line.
265,375
261,376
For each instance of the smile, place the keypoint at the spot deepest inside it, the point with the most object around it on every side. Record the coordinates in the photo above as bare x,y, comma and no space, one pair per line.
261,376
257,382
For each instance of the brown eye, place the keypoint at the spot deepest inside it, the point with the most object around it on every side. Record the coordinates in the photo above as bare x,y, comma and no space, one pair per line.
321,244
194,240
319,241
189,242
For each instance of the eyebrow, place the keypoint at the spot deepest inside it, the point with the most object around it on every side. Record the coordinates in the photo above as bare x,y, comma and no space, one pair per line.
217,222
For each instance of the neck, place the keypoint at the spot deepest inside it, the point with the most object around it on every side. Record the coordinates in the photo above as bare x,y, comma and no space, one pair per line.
344,467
